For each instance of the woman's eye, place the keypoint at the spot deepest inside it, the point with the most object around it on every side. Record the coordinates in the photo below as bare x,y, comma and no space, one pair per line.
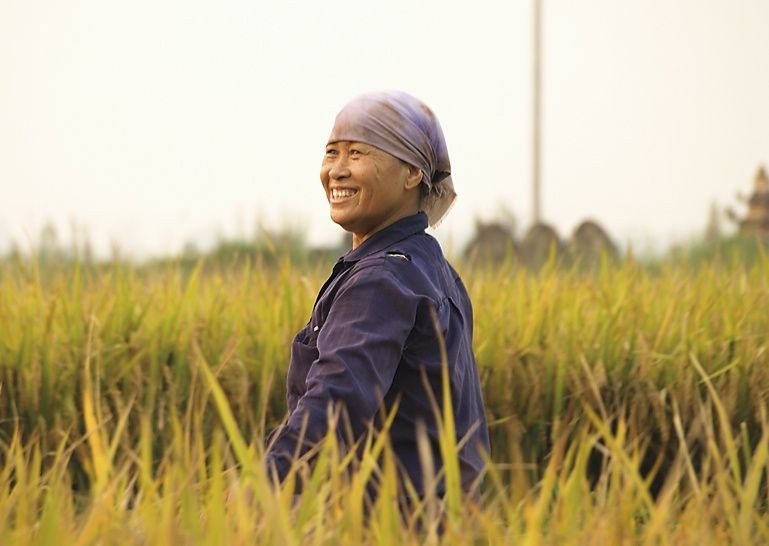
331,151
355,152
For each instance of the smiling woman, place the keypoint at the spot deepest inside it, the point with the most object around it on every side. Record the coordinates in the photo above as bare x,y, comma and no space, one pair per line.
373,341
368,189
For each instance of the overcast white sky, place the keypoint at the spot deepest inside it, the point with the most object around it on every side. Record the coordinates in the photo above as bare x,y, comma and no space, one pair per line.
153,123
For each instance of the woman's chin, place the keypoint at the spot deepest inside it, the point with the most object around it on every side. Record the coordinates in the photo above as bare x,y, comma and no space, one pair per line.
341,219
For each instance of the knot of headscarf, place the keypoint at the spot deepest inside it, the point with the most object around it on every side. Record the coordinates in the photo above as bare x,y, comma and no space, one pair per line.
404,127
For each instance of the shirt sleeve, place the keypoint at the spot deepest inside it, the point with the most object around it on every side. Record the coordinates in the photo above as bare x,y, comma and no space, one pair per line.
359,347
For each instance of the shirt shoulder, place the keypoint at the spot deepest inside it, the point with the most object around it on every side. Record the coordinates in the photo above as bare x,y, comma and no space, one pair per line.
415,262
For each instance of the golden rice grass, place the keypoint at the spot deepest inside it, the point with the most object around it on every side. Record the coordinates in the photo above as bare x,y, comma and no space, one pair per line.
626,407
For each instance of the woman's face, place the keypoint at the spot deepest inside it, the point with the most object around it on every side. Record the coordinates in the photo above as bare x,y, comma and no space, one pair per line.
367,189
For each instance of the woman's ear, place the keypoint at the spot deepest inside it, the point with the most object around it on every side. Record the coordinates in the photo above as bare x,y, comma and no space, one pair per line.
414,177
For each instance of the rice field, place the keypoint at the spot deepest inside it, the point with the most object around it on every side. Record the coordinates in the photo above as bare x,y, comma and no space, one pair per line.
626,406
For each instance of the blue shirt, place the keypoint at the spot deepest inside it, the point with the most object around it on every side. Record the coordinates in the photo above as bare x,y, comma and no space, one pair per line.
370,334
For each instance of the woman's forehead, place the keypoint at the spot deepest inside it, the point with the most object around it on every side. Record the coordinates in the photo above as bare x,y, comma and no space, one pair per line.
348,143
376,153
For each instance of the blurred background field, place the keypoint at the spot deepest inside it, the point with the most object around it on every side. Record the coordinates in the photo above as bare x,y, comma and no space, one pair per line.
626,400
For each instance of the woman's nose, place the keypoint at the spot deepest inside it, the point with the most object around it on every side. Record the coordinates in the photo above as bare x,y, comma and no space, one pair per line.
339,168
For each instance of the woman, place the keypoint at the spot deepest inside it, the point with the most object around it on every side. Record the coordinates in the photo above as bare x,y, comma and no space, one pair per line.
371,342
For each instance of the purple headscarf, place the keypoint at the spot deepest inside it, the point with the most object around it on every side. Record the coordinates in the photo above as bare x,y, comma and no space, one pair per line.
404,127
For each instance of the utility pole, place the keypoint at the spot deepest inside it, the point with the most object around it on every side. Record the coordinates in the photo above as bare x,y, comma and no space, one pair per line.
536,114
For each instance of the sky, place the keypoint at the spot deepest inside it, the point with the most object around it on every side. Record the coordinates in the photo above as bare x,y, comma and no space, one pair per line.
151,124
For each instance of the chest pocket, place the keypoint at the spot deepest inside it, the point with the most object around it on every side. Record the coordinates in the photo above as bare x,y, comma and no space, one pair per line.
304,351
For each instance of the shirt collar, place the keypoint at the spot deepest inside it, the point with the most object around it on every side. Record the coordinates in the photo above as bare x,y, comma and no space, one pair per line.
397,231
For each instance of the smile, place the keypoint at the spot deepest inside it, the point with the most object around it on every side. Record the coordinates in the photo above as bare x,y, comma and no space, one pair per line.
342,194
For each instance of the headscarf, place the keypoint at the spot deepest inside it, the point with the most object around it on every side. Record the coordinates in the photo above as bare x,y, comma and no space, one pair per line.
404,127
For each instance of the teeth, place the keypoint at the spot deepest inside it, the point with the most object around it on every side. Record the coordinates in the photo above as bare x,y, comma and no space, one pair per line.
337,193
